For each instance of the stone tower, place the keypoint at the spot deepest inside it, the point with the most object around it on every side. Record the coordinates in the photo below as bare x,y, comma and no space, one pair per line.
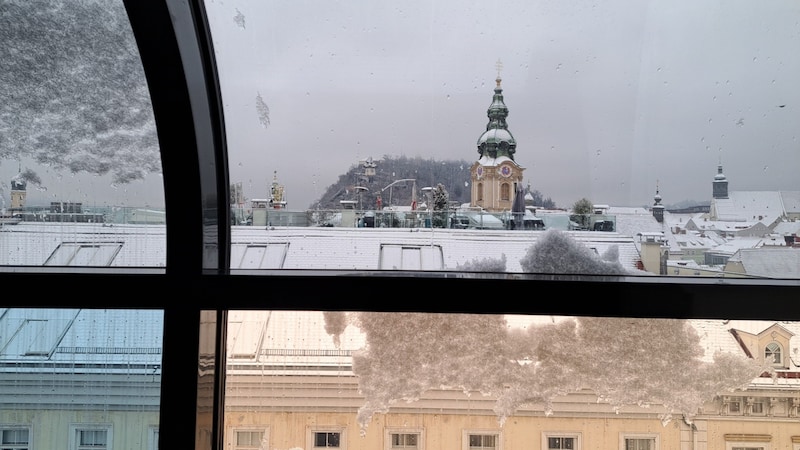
495,176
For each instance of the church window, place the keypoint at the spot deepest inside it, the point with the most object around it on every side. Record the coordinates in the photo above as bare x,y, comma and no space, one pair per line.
505,191
480,192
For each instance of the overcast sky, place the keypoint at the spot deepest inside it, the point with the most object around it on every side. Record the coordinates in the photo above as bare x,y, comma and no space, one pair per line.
606,100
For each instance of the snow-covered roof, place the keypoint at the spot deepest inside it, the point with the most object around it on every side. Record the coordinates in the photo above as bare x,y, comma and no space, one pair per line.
488,161
729,227
99,244
732,246
640,221
791,201
364,248
754,206
693,239
82,340
628,210
770,262
292,342
786,228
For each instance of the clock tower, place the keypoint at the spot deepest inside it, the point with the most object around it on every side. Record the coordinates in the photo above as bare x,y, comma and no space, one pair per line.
495,176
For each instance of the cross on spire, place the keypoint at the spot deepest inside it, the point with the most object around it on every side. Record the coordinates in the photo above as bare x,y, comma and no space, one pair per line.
499,66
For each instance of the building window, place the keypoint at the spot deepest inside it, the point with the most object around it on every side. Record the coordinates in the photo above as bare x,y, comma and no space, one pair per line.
773,353
90,437
405,257
505,191
731,405
480,192
326,439
639,442
84,254
482,441
259,256
404,440
747,441
250,439
152,438
556,441
15,438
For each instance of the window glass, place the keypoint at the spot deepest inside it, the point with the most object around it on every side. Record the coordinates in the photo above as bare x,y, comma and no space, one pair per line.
15,438
652,133
404,440
80,379
80,168
473,381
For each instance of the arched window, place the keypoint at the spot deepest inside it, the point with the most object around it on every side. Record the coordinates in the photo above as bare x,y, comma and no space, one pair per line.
480,192
505,191
773,352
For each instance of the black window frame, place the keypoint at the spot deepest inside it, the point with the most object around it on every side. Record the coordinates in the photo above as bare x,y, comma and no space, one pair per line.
195,290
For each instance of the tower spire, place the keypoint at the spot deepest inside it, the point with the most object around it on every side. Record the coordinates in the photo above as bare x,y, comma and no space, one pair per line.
720,185
497,140
658,208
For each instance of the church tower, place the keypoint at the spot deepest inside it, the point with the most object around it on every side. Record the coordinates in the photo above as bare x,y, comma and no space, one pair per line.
495,176
720,189
18,192
658,208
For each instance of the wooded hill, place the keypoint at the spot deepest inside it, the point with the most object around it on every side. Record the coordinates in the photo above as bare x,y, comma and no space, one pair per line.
452,174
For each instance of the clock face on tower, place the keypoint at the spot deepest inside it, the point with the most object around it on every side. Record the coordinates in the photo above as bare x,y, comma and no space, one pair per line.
505,171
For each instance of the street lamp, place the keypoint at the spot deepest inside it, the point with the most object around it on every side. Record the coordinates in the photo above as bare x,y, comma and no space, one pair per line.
404,180
360,190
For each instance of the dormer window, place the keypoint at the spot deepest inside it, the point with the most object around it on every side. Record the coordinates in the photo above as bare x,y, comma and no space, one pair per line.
773,352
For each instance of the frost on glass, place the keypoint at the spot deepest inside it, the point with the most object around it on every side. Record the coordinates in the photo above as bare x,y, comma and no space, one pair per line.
557,252
624,361
497,265
74,95
263,111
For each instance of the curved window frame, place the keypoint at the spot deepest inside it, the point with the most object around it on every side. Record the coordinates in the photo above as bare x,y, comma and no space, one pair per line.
774,350
195,292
